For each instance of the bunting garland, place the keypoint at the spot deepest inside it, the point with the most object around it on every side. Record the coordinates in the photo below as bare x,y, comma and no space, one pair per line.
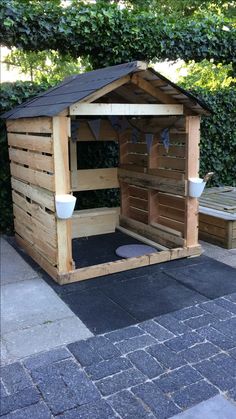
134,135
165,138
75,123
94,125
149,141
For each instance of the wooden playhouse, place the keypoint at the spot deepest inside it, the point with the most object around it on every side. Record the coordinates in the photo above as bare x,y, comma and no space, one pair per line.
156,125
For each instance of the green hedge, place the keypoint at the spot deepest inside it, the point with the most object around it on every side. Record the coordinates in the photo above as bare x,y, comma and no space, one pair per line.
218,146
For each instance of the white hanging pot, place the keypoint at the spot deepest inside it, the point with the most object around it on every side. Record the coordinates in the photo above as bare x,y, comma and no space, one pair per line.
65,205
196,186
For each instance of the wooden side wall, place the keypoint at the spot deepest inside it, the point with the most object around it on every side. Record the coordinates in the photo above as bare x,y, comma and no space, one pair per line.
33,187
154,182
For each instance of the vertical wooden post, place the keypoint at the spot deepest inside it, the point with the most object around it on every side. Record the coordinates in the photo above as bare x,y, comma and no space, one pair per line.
62,186
192,169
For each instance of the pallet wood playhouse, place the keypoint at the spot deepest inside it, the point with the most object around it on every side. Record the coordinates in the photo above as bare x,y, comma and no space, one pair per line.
134,106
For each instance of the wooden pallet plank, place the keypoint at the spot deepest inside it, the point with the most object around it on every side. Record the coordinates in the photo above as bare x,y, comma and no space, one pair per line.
31,142
172,213
42,125
171,163
35,177
93,179
94,222
137,192
124,109
39,195
31,159
138,203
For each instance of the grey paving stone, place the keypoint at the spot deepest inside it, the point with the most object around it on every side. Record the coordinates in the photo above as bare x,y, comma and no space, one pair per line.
217,338
120,381
232,395
197,322
49,357
200,351
176,379
184,341
233,353
3,392
231,297
227,363
126,333
166,356
15,377
228,305
215,309
25,342
215,408
19,399
194,394
103,347
188,313
128,406
216,375
35,411
108,367
100,410
83,352
172,324
138,342
146,363
154,329
159,404
227,327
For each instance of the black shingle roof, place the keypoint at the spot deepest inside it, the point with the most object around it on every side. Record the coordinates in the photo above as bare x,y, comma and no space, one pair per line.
78,87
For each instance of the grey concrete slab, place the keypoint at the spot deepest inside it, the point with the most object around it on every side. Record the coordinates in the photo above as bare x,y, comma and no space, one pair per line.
13,267
217,407
30,303
24,342
227,256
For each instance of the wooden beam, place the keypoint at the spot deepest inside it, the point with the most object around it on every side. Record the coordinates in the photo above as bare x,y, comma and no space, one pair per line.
93,179
94,221
62,186
124,109
141,238
192,168
151,90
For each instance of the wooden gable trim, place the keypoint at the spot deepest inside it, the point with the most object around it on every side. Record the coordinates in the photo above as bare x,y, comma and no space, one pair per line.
124,109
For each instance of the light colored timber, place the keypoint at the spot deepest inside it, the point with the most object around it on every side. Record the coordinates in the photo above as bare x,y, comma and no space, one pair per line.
176,226
216,213
137,192
73,164
93,179
47,219
154,182
32,159
168,173
39,195
31,142
172,201
62,186
138,214
152,90
156,234
192,169
141,238
172,213
94,222
42,125
40,230
35,177
171,163
37,257
124,109
108,268
166,229
138,203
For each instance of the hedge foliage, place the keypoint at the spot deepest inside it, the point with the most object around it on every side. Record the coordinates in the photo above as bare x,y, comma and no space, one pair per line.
108,34
218,147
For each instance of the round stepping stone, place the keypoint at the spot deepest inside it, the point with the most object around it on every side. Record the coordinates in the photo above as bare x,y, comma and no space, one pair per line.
134,250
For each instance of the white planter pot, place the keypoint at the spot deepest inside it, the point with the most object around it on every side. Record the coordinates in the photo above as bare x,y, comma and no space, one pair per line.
65,205
196,187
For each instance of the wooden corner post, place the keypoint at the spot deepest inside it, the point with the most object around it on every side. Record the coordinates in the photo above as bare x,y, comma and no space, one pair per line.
62,186
192,169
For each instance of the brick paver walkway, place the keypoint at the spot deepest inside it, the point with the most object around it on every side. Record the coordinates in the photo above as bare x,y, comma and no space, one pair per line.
154,369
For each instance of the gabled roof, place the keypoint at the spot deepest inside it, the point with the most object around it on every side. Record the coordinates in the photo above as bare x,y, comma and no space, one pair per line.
76,88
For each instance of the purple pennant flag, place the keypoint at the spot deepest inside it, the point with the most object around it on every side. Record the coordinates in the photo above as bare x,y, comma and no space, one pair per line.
94,125
115,122
165,138
74,128
149,140
134,136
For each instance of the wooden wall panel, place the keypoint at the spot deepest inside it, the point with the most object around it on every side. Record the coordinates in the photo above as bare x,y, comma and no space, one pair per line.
93,179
